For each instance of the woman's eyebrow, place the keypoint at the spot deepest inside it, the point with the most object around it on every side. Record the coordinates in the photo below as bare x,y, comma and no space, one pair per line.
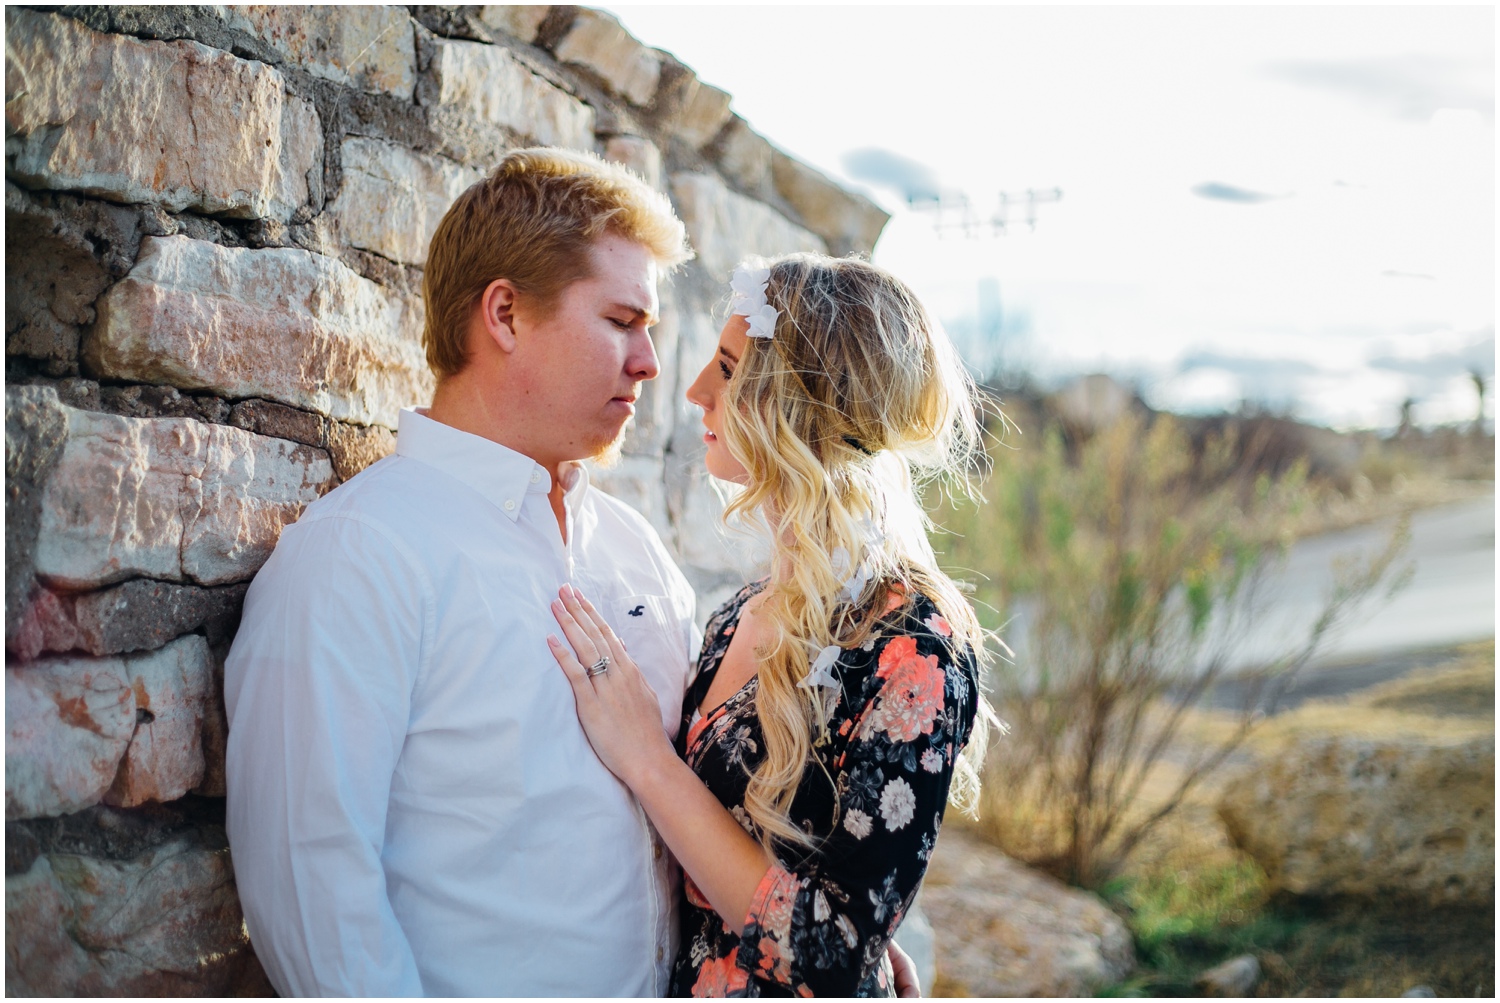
728,355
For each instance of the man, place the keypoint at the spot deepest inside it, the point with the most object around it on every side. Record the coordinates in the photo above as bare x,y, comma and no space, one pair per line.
413,808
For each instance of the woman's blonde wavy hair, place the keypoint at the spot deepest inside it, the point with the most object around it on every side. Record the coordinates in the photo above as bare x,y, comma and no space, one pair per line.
856,402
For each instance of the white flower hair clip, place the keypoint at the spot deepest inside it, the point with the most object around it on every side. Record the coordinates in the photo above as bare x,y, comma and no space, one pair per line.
749,285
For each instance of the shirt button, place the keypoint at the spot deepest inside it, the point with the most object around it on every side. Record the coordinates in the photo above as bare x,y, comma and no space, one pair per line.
660,953
536,477
510,504
656,851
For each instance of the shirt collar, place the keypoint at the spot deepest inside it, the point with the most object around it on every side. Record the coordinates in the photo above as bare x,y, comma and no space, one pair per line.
498,473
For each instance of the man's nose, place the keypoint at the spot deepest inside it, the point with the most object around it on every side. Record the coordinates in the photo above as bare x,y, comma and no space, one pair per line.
642,362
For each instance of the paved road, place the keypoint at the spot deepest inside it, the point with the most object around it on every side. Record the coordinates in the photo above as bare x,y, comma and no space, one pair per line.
1449,600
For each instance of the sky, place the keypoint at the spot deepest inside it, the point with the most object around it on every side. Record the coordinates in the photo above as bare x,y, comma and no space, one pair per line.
1293,206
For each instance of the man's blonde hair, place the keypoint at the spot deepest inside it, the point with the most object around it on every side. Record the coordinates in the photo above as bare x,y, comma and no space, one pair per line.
533,221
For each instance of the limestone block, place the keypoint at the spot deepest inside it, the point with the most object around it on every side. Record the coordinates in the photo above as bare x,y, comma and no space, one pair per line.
1371,818
279,323
597,42
165,757
164,923
487,83
744,157
46,625
352,448
725,227
279,421
41,958
169,498
393,199
367,46
175,123
640,155
849,223
636,481
52,273
520,21
143,615
1003,929
67,723
705,109
36,428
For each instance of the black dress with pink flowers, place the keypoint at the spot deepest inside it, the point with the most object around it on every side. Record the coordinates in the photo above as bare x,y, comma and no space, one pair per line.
820,920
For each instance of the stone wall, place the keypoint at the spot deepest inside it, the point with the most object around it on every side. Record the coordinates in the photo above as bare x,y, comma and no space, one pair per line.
216,222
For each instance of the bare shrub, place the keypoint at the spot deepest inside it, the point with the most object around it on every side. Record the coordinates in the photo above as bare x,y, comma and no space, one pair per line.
1130,566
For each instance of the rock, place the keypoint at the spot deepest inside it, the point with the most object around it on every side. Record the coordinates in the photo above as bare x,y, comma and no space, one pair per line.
172,691
279,323
636,481
393,199
51,281
120,730
143,615
520,21
703,113
1235,977
1373,818
41,956
1419,993
36,429
46,625
140,615
352,448
169,498
68,722
725,227
744,157
265,417
640,155
222,135
487,83
597,42
849,223
1003,929
917,939
166,923
366,46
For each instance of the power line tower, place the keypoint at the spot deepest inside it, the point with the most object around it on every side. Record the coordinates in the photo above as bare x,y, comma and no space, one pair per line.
954,212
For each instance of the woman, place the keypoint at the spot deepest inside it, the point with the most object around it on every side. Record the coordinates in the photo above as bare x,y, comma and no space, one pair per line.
822,734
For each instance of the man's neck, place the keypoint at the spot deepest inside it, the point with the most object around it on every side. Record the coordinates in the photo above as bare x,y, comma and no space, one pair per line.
458,404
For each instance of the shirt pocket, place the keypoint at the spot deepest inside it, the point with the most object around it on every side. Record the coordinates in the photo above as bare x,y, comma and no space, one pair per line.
656,640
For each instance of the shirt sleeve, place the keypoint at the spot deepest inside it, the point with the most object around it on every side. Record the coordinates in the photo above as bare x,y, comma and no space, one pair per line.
318,687
820,927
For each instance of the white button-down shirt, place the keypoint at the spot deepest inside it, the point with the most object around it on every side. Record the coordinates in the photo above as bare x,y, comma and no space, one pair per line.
413,806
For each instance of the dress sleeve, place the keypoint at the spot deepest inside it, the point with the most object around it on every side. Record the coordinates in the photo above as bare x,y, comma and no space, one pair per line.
820,927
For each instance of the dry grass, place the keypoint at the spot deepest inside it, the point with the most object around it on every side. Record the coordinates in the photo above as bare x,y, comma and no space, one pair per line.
1193,900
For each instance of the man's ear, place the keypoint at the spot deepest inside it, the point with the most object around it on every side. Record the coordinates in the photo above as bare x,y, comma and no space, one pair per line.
497,306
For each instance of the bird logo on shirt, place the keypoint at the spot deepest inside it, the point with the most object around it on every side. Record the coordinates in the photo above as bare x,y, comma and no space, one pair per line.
638,611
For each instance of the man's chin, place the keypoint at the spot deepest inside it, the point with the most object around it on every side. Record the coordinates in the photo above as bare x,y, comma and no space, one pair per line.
607,455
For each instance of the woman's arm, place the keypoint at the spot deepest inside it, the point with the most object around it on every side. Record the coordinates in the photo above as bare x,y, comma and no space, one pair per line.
622,718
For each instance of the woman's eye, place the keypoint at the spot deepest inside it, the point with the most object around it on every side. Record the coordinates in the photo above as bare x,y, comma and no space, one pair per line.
724,368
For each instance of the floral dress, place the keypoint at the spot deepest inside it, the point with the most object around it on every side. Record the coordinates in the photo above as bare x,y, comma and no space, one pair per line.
820,920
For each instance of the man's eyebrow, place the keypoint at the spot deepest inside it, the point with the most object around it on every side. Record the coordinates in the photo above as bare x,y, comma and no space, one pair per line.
636,311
